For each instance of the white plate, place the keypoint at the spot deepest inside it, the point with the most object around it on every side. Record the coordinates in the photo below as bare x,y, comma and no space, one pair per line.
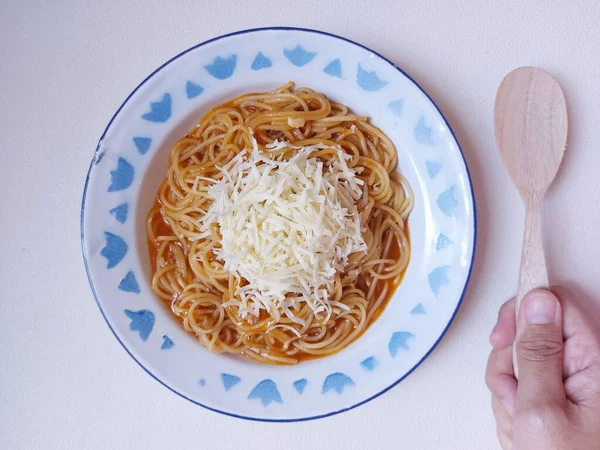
131,161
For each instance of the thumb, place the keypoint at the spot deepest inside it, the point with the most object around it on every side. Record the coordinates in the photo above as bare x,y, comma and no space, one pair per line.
540,349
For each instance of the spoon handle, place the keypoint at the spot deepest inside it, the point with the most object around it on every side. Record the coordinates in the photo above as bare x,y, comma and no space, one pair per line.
533,261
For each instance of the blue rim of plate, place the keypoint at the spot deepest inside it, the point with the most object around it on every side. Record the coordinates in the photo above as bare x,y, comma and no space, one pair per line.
324,33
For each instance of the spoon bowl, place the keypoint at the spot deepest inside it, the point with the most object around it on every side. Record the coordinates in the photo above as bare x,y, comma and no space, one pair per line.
531,129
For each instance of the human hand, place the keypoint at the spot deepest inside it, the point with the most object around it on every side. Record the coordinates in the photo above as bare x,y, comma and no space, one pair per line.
555,404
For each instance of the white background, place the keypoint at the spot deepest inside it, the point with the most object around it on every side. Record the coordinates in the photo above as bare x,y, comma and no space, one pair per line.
65,381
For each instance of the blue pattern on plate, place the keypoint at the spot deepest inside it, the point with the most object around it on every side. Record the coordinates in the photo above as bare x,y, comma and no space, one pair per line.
418,310
142,321
122,177
433,168
298,56
334,68
368,80
399,341
120,212
129,283
229,381
397,106
167,343
222,68
98,156
160,111
337,382
442,242
261,62
142,144
114,250
438,278
193,90
202,382
370,363
423,133
447,202
299,385
267,392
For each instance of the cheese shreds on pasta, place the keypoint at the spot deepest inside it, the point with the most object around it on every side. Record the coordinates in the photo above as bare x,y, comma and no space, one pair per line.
287,227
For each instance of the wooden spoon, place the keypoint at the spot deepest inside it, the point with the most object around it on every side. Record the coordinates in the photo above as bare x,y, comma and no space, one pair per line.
530,121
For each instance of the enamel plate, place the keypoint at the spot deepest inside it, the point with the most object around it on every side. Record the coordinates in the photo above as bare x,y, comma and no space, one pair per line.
131,161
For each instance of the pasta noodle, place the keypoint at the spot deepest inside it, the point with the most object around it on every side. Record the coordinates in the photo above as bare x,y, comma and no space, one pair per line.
189,276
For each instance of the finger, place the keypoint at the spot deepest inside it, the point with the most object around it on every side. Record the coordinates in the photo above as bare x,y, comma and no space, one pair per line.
503,333
577,321
500,378
540,349
504,421
499,373
505,441
575,317
582,344
581,369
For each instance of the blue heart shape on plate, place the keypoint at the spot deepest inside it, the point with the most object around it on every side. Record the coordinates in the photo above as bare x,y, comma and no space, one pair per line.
337,382
122,177
141,321
267,392
298,56
222,68
433,168
368,80
423,133
114,250
442,242
438,278
159,111
399,341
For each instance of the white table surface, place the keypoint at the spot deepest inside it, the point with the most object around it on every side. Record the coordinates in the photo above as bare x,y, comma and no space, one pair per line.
65,381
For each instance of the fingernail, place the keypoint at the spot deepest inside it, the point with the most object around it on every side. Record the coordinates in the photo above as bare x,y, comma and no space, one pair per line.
540,307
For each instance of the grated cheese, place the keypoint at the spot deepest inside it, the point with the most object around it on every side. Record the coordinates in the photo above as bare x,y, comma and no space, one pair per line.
287,227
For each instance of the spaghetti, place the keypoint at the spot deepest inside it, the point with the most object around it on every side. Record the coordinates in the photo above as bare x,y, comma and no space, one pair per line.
195,270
